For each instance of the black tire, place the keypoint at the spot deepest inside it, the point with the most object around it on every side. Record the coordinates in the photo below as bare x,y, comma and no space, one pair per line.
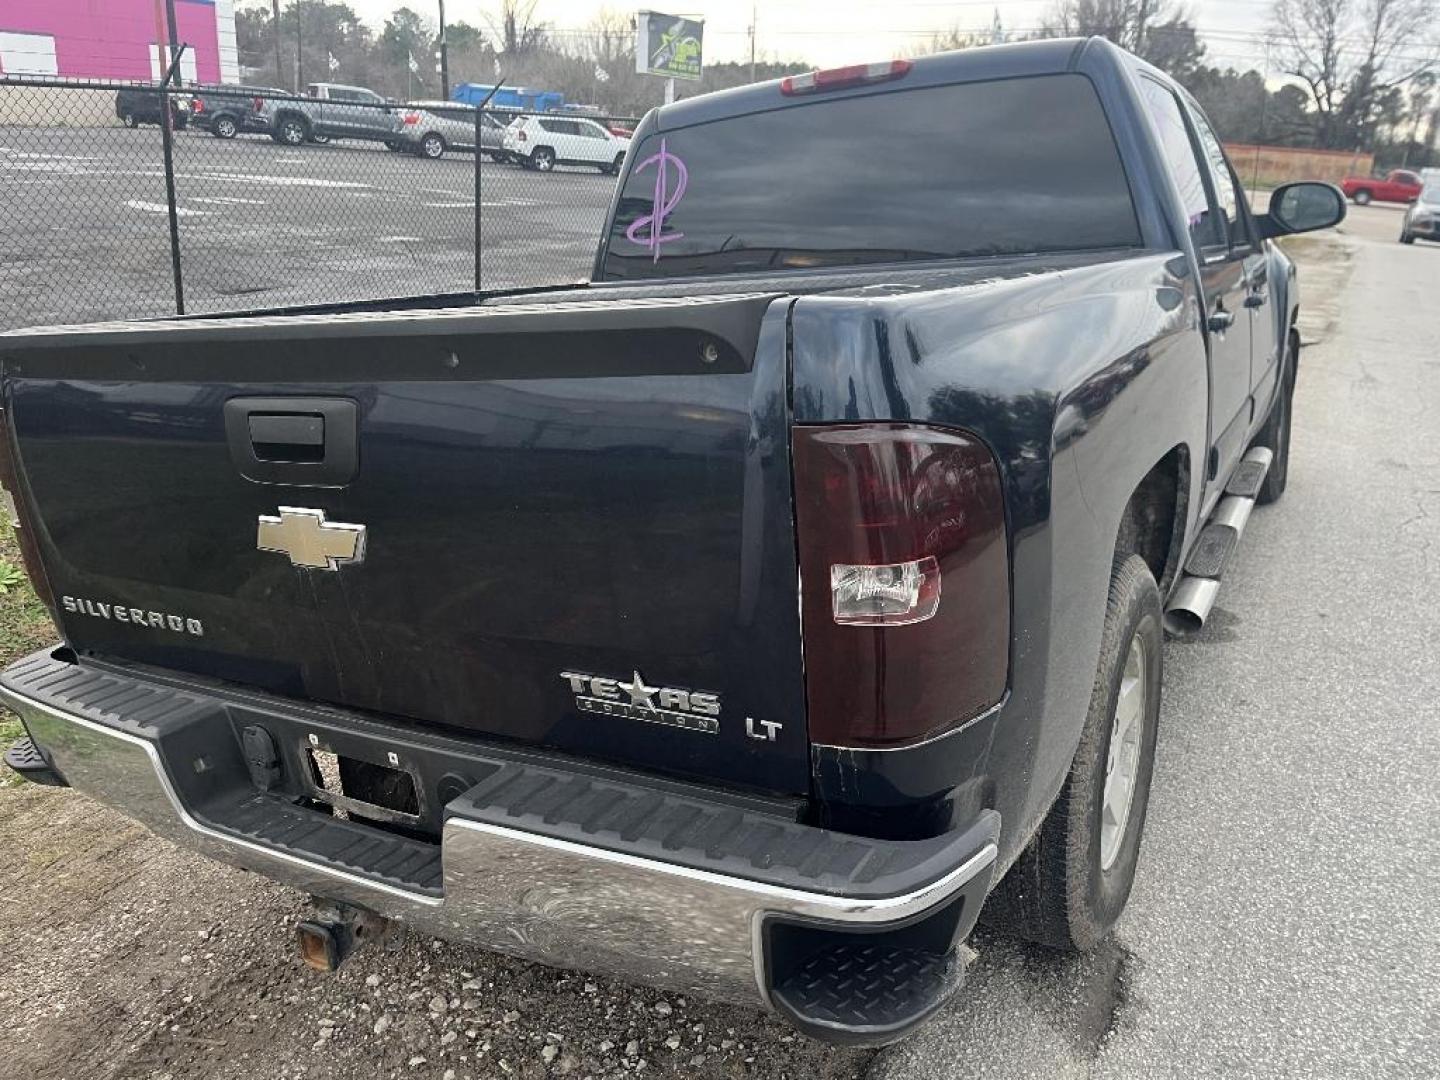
1058,893
1362,197
1275,435
614,167
393,146
224,127
1407,238
432,146
130,120
292,131
542,159
320,140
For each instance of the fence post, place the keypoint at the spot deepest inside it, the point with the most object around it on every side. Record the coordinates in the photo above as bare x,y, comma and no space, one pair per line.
167,139
478,158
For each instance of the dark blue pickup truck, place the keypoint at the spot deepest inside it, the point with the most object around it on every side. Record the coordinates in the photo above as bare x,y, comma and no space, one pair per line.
743,620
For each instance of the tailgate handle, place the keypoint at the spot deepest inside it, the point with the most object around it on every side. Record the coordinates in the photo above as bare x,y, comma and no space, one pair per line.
301,442
287,437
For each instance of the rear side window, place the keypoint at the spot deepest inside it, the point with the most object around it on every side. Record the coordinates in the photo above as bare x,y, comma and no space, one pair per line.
1185,164
987,168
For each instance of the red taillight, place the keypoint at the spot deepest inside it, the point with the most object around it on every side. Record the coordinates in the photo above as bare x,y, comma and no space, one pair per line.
904,581
410,119
196,105
29,550
258,104
815,82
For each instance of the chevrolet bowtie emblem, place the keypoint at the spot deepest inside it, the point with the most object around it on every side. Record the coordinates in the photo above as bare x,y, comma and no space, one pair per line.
310,540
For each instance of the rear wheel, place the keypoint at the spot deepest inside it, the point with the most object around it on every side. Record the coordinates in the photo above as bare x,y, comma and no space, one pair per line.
1275,435
130,120
1407,238
432,146
1362,197
292,131
542,159
320,140
1069,886
224,127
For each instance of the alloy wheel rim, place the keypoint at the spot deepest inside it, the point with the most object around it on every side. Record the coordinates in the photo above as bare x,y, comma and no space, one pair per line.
1122,762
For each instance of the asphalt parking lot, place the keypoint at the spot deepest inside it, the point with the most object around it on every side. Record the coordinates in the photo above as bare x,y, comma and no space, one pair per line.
84,229
1284,921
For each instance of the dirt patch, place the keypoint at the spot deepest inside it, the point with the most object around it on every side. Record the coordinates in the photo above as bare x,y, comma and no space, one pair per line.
1325,260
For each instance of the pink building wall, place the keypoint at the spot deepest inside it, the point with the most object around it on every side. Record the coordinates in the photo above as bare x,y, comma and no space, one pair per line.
111,39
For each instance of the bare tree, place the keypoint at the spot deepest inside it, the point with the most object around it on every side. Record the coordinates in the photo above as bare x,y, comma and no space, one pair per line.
1352,55
516,28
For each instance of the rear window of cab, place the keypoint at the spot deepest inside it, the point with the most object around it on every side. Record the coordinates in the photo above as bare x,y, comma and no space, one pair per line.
984,168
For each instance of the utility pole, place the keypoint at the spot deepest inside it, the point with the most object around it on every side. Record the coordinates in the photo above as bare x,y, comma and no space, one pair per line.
444,57
299,47
275,25
752,42
174,37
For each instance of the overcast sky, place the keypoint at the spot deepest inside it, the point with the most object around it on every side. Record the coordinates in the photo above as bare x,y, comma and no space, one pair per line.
831,32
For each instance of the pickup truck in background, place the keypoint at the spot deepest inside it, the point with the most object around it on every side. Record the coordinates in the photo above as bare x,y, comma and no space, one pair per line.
331,111
1397,186
479,612
227,111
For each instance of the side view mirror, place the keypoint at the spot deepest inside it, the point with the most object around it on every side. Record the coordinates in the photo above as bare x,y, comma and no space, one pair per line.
1303,207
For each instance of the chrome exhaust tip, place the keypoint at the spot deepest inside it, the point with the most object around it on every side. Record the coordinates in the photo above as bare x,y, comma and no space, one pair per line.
1190,606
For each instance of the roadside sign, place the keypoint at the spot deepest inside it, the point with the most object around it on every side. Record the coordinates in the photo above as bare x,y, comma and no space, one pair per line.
668,45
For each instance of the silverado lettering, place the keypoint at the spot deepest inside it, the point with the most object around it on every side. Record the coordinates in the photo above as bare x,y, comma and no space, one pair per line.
159,620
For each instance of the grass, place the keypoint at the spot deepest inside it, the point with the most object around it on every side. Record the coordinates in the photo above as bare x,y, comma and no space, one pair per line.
24,627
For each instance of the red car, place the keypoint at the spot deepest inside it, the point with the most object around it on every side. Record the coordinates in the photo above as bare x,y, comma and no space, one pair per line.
1399,185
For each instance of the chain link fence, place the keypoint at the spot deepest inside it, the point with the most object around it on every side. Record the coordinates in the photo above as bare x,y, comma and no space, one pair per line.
255,198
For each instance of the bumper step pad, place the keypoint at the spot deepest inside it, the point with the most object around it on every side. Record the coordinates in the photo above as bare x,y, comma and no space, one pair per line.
27,761
856,987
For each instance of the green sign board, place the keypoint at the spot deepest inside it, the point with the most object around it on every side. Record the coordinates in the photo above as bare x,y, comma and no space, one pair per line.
668,45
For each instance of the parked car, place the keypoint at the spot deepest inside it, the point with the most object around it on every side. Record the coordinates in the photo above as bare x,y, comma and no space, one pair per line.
542,142
429,128
136,105
741,621
1398,185
1422,217
226,111
332,111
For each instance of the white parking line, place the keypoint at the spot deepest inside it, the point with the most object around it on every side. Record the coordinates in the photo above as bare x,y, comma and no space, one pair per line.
161,208
400,239
450,205
281,181
45,157
221,200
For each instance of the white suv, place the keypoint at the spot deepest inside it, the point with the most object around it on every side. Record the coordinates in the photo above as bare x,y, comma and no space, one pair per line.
542,142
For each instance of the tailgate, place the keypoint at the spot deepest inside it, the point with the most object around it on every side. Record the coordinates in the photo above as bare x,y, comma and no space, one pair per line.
564,524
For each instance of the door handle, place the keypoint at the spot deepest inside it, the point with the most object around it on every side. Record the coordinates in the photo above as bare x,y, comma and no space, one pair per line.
298,441
1256,299
1221,321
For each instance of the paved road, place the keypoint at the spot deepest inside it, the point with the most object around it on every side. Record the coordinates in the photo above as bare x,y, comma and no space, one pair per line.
84,231
1286,920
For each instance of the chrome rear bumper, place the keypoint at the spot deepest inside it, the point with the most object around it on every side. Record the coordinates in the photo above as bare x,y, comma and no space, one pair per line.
504,887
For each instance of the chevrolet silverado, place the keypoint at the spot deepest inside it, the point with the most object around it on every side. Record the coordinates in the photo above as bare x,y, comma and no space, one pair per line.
740,621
